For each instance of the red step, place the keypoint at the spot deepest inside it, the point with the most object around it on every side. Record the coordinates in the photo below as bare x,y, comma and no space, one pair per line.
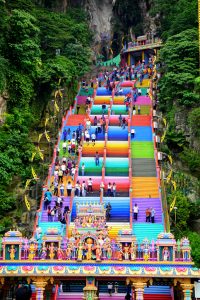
75,120
141,120
157,297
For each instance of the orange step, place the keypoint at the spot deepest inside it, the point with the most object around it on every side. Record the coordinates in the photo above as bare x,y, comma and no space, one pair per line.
143,187
75,120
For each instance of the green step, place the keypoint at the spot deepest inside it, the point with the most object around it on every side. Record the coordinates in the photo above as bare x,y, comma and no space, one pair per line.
142,150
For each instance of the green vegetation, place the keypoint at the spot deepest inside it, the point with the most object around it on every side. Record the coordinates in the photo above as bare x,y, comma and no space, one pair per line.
37,48
179,97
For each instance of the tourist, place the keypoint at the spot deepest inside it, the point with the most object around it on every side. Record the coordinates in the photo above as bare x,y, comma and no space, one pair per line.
64,146
120,120
62,189
109,189
83,189
139,110
88,124
153,212
134,110
114,187
69,188
87,137
49,214
65,135
63,224
38,232
95,121
77,189
102,186
103,108
108,210
23,292
148,214
90,184
124,123
53,213
110,287
135,212
59,202
73,172
97,159
139,92
93,137
132,133
83,169
60,176
55,188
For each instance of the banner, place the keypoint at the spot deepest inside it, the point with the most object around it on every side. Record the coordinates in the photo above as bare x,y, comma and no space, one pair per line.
170,159
165,122
40,154
39,137
174,184
27,203
33,155
169,176
46,121
56,106
163,137
173,204
27,183
47,136
33,173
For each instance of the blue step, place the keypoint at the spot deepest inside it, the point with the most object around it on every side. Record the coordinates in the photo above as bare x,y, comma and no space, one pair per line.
147,230
142,133
163,290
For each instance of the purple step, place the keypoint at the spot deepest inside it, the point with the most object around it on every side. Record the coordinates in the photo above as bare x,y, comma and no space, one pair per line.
144,203
66,202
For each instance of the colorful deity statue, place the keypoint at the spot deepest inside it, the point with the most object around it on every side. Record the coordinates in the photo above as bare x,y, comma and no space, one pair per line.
146,250
25,247
126,252
80,252
69,252
59,253
12,252
31,251
89,247
109,251
119,252
43,254
133,251
186,249
98,252
166,253
51,251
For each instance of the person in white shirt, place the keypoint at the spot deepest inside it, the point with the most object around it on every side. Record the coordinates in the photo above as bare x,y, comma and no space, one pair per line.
135,212
64,146
83,189
88,124
73,172
69,188
87,137
132,132
139,92
93,136
83,169
90,185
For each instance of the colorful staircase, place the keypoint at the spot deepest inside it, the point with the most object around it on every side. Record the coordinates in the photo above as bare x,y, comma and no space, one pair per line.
157,293
145,183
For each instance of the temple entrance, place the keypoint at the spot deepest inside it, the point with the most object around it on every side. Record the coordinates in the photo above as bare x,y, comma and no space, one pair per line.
73,286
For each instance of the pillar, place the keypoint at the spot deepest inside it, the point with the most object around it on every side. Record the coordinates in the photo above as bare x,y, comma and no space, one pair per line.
187,287
139,290
129,59
90,290
187,291
40,284
142,55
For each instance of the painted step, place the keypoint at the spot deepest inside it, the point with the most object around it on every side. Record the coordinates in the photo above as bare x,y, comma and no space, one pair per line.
140,120
147,230
157,297
75,296
144,203
158,289
142,133
115,227
142,149
46,225
75,120
143,187
143,167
